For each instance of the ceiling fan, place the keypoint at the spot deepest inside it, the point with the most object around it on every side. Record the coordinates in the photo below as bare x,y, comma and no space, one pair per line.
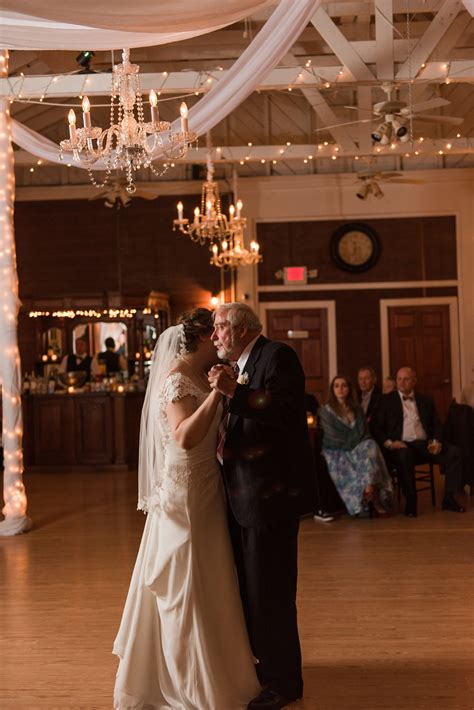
369,182
397,116
116,195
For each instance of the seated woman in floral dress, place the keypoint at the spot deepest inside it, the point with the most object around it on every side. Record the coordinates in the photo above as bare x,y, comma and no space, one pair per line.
354,460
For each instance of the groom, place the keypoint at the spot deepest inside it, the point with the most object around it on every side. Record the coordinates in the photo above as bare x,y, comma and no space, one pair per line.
264,450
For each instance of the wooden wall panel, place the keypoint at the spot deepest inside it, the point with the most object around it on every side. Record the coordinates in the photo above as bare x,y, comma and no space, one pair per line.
412,249
73,247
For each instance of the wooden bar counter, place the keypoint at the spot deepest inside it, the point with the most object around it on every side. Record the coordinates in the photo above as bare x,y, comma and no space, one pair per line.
82,430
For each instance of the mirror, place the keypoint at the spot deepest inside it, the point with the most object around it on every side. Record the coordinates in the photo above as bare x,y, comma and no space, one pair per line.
97,332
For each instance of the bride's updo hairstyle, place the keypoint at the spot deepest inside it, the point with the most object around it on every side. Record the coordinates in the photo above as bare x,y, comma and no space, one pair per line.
195,323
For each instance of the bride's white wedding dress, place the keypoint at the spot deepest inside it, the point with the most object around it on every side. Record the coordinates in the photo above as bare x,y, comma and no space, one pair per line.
182,641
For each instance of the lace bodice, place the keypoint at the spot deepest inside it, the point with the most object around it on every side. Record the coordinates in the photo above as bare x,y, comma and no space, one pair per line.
184,469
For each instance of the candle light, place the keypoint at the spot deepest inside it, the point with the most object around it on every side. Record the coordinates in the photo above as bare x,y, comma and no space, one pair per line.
224,245
232,212
155,116
239,208
120,388
215,249
254,246
44,358
180,210
208,209
183,109
196,215
86,116
71,117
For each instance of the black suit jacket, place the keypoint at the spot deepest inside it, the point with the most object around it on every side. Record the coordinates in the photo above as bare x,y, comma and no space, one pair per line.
388,420
374,402
268,464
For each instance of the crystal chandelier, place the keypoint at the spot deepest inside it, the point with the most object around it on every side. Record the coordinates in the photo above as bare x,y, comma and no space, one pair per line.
231,253
130,143
224,234
210,224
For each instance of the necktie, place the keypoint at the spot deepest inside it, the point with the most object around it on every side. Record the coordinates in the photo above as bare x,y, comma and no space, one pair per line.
222,429
410,398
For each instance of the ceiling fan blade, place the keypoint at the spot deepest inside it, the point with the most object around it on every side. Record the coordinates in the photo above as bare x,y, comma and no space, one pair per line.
367,110
449,120
348,123
427,105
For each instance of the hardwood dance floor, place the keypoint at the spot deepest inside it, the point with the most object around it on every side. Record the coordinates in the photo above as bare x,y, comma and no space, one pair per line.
386,606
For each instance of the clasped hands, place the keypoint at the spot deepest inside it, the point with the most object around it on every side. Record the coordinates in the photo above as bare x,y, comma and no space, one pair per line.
434,446
222,379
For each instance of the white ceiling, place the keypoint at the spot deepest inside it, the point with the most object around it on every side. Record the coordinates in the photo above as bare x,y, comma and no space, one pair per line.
428,54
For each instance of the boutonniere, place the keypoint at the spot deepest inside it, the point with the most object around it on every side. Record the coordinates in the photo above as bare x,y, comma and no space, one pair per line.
243,378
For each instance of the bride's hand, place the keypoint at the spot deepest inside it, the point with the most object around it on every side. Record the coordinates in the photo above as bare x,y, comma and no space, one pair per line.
222,379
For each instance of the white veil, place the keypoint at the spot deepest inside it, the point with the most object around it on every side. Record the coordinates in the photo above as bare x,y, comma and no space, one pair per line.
150,454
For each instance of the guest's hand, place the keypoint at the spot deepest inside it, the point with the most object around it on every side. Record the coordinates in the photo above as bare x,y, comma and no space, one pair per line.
434,447
397,445
222,378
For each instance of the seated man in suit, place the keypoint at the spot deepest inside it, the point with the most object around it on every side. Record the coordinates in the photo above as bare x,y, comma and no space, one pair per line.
408,429
369,393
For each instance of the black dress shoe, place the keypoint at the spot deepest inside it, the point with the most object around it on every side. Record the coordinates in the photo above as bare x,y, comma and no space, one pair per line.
269,700
450,503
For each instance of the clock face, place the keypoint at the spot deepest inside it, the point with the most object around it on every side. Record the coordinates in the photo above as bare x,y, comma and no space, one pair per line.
355,247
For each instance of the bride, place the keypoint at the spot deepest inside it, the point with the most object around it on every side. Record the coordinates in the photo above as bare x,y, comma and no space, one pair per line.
182,640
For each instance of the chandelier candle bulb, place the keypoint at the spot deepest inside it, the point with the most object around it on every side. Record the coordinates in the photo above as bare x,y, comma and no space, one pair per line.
155,115
86,112
71,117
180,210
231,212
239,208
183,109
208,209
196,215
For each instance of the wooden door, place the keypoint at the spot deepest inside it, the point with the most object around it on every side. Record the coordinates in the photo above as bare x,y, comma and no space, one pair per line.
306,331
420,337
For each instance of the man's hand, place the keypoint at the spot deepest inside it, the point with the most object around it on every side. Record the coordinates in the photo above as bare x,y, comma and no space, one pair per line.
222,378
398,445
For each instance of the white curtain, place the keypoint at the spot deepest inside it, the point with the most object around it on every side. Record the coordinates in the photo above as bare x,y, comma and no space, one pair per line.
14,494
52,24
267,49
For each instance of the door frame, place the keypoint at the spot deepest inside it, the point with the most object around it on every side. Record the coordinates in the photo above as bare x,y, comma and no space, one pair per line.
453,303
330,307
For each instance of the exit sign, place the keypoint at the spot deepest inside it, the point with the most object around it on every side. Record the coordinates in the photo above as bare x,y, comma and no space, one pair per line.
295,275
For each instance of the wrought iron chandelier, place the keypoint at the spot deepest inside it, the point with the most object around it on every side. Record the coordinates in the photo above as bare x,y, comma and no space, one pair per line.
224,234
130,143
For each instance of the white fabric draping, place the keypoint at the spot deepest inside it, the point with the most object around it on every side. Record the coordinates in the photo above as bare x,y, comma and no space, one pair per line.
14,510
267,49
52,24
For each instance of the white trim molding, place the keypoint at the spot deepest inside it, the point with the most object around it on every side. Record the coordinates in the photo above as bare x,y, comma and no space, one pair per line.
452,302
330,306
360,286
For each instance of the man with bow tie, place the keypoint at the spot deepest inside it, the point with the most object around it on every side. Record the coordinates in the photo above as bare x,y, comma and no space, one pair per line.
407,427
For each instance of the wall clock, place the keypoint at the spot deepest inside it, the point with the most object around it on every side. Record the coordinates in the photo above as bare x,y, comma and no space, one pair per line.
355,247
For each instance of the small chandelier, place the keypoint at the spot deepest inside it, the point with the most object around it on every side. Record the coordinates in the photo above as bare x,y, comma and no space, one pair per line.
210,224
224,234
130,143
230,254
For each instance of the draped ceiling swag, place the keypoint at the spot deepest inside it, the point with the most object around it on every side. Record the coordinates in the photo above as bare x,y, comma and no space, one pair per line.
267,49
53,24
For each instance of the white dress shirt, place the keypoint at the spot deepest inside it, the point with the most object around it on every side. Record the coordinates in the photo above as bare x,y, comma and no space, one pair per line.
412,426
244,356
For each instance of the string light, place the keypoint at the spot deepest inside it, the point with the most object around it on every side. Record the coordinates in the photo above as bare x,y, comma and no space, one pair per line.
87,313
